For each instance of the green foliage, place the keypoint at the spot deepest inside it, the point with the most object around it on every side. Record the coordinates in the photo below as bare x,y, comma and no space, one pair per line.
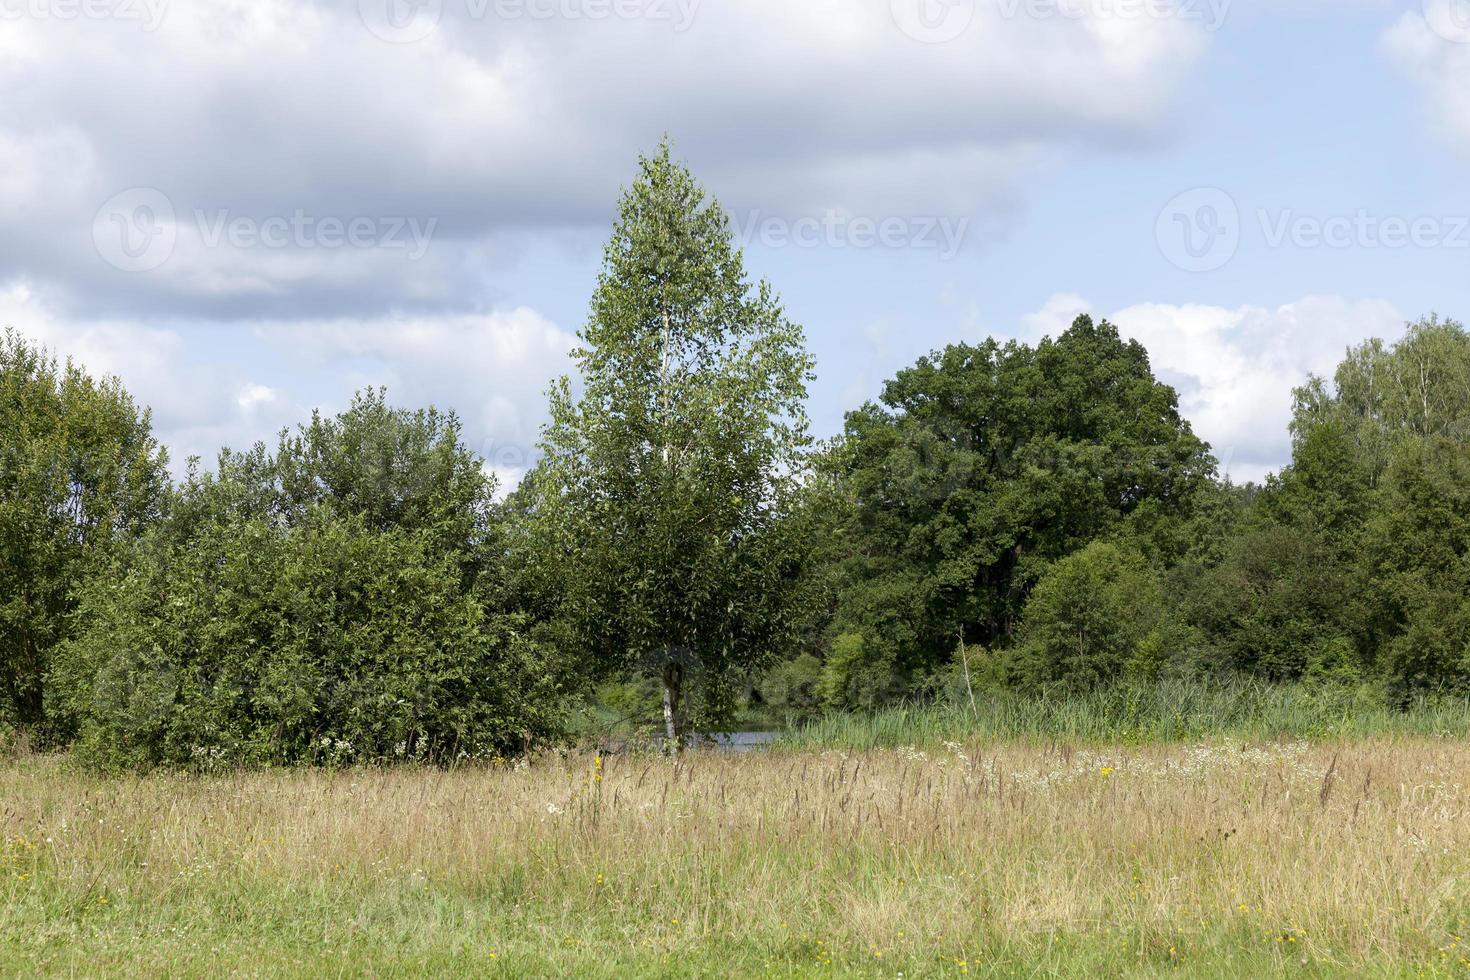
1382,398
292,611
1039,517
1327,491
857,673
1379,474
1278,606
80,475
792,689
1092,616
394,469
632,700
1419,387
984,465
659,511
1417,556
1134,712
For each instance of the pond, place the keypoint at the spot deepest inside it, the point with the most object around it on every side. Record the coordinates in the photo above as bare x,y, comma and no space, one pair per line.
738,741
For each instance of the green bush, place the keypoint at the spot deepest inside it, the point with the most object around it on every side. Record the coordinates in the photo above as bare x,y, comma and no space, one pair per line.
339,600
255,644
792,690
1278,606
1433,651
858,673
1090,616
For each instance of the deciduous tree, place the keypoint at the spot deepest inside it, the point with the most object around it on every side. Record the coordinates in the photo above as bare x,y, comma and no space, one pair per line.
663,494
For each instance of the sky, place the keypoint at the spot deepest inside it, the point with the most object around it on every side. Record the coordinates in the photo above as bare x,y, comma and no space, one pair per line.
249,209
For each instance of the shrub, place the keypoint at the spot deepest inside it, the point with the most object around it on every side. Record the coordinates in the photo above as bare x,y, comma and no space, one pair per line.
858,673
342,599
1088,618
1433,651
1279,606
254,644
792,690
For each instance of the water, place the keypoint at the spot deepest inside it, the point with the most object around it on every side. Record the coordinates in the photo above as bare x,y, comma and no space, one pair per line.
739,741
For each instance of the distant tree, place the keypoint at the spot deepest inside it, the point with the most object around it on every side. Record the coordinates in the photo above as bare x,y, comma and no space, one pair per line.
1088,620
1376,481
982,466
1345,435
1416,559
663,492
1327,490
80,474
1279,605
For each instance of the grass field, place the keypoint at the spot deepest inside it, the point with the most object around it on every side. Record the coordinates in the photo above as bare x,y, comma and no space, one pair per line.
1226,859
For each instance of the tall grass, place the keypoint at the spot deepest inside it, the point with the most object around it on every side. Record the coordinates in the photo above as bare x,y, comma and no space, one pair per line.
1171,711
1228,860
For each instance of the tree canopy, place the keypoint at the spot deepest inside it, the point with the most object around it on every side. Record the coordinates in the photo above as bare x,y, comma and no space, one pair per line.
664,486
982,465
80,474
1038,517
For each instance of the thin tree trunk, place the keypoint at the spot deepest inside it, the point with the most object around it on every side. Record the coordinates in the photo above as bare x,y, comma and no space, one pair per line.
965,659
673,681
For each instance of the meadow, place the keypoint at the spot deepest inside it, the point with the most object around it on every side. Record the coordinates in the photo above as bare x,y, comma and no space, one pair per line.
1222,857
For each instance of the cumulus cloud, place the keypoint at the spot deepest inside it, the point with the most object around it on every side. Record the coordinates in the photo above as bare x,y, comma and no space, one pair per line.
1235,369
499,119
491,369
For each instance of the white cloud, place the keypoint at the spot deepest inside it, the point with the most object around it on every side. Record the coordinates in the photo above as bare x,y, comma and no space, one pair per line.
1432,47
492,369
253,396
1055,316
263,107
1235,369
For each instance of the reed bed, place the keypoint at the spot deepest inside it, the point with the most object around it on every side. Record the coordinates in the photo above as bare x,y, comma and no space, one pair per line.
1135,714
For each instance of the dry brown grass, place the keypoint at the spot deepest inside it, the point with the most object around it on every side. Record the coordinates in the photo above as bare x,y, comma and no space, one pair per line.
1223,859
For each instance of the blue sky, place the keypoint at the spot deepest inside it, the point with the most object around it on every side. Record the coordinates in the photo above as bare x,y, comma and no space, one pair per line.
248,209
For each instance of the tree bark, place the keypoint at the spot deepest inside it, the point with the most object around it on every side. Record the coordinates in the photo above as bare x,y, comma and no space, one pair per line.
673,683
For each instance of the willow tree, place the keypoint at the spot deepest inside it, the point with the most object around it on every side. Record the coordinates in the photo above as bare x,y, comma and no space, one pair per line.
663,494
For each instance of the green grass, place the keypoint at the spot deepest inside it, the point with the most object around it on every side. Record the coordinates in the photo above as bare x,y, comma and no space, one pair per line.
1170,712
325,931
1244,831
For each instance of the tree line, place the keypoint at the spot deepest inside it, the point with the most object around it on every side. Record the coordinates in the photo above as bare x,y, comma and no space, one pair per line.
1038,518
